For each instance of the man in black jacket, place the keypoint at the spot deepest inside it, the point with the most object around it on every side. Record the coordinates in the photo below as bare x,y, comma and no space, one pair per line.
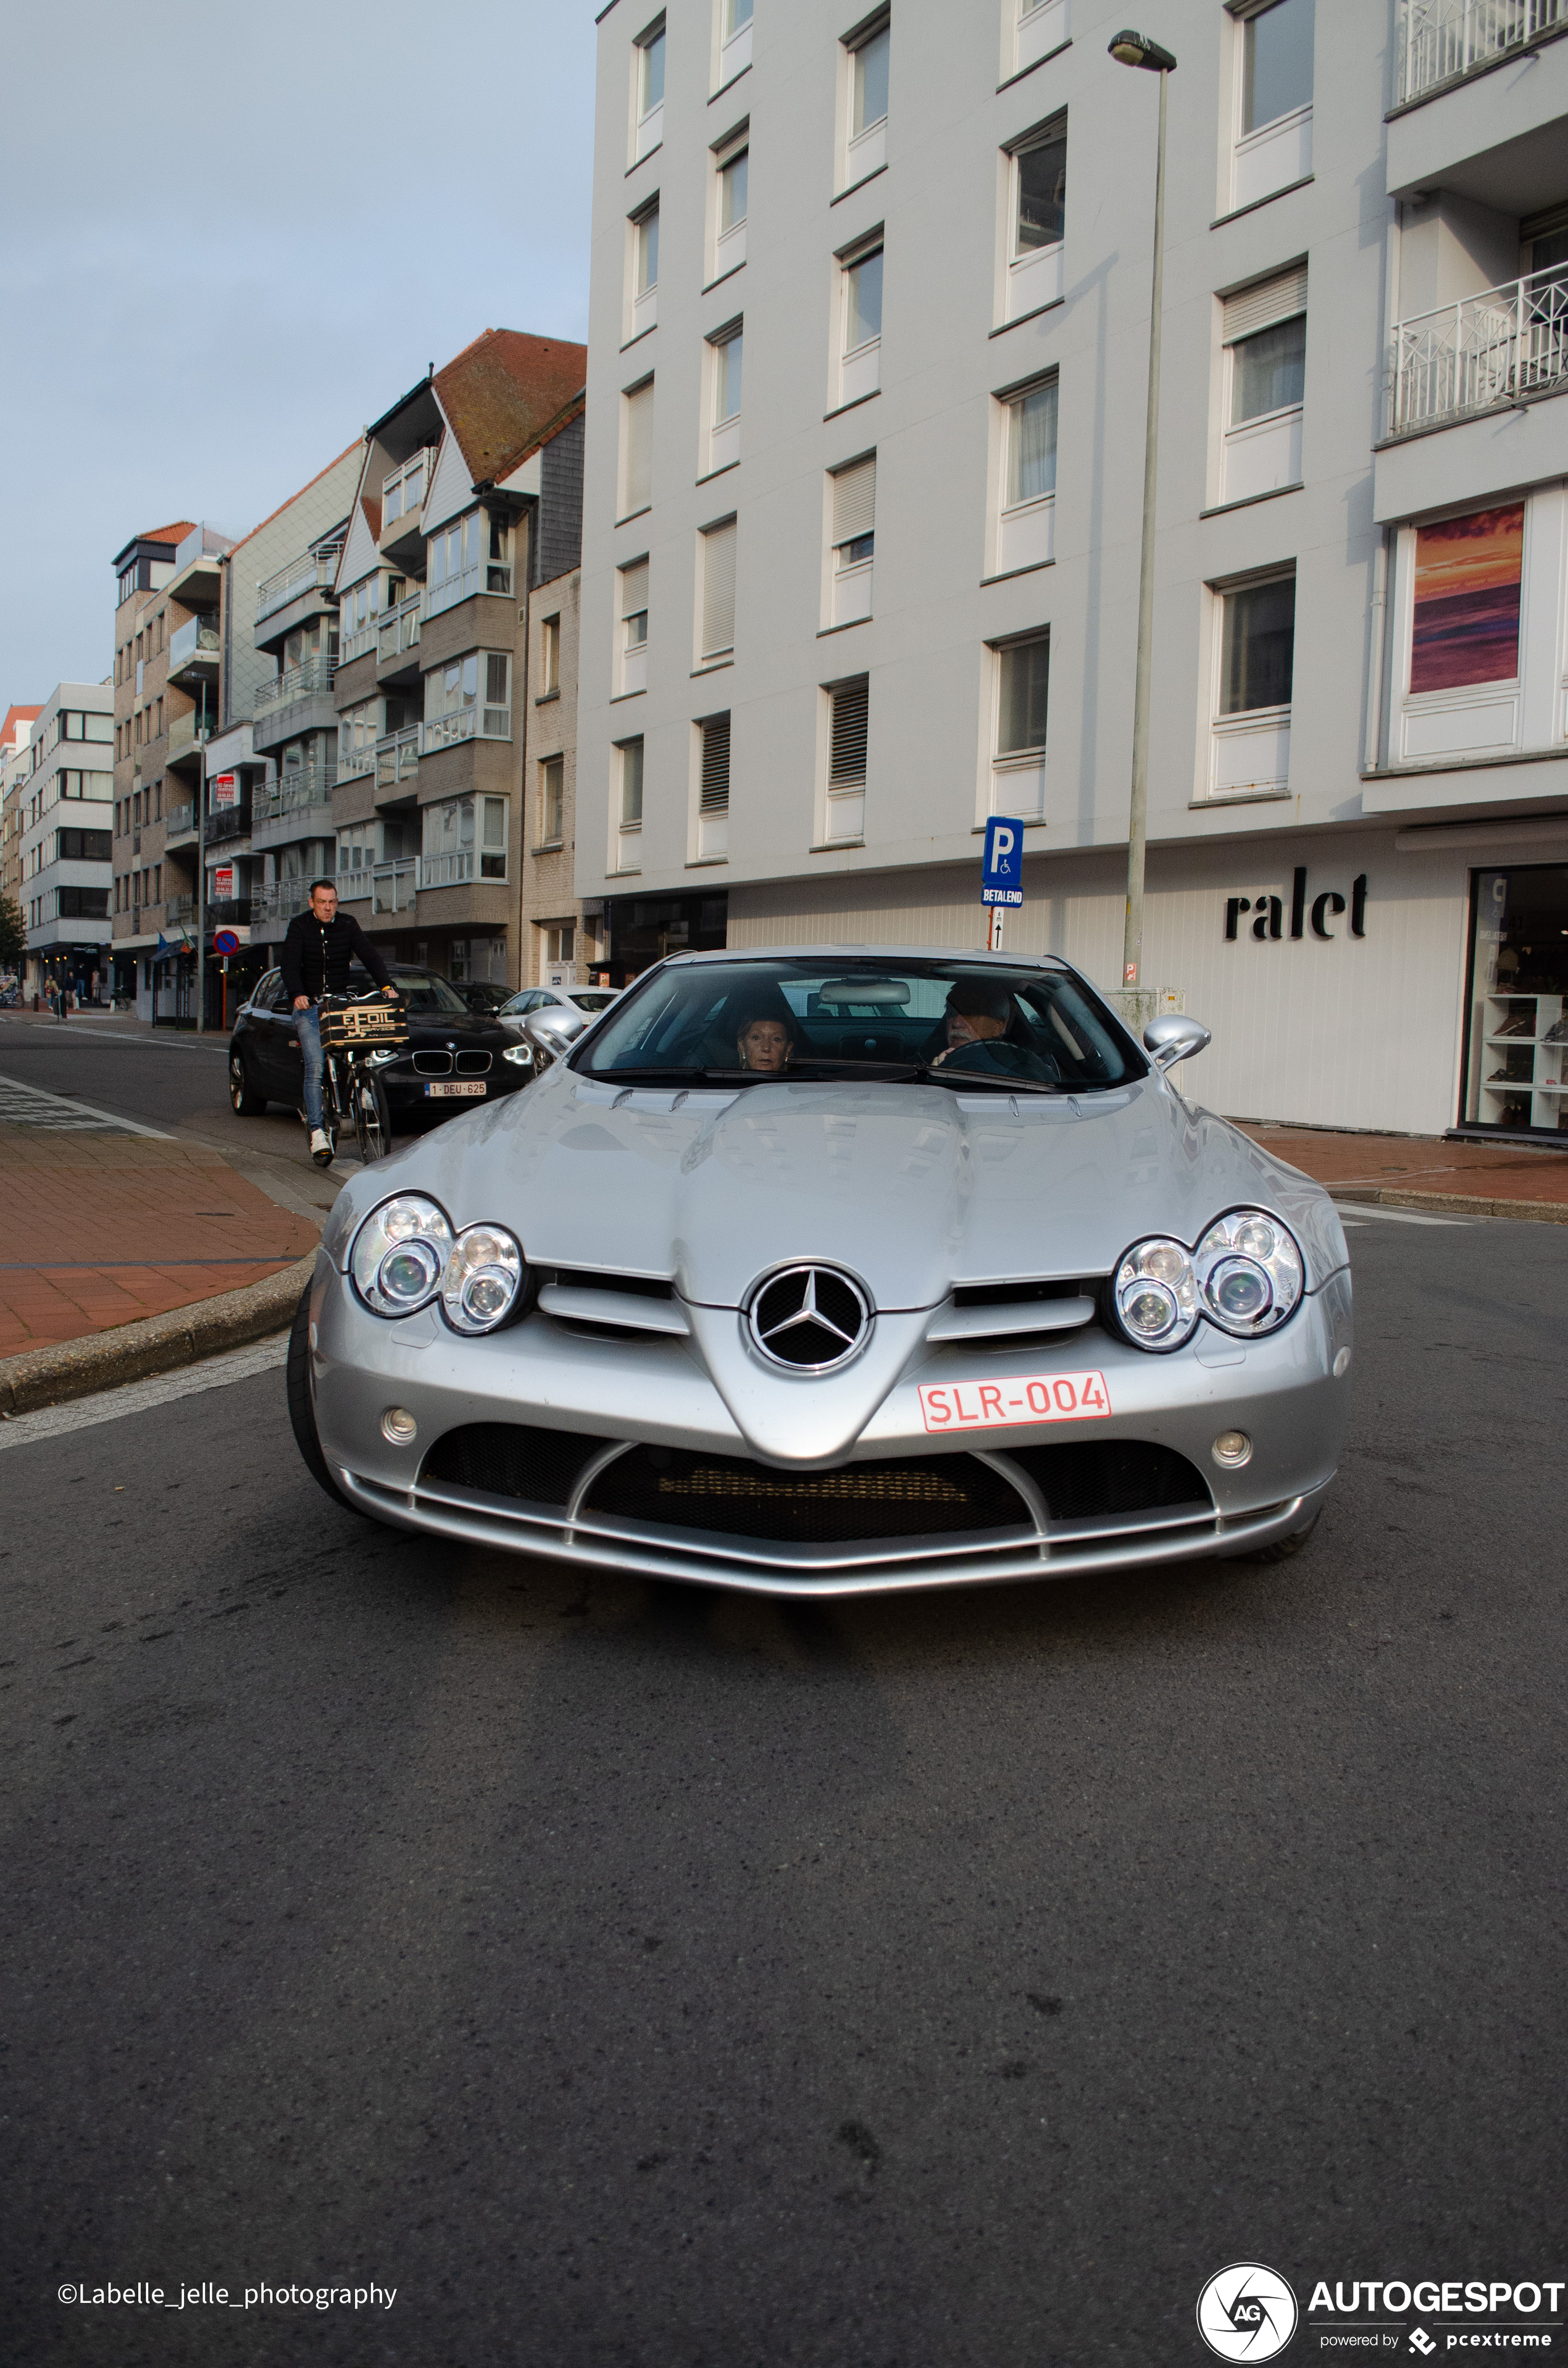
318,948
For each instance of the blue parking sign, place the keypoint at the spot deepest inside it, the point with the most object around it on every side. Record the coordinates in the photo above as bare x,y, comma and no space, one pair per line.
1002,882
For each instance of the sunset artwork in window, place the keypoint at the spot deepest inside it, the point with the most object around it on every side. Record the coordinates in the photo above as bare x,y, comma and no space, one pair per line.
1466,610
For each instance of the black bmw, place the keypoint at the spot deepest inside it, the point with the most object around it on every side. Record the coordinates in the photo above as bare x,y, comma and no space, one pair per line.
454,1058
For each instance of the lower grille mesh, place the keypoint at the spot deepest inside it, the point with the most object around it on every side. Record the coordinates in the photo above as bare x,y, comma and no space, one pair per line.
926,1497
1085,1477
511,1459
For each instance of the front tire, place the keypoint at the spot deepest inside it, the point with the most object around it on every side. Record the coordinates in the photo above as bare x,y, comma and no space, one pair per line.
302,1405
244,1100
1287,1549
372,1118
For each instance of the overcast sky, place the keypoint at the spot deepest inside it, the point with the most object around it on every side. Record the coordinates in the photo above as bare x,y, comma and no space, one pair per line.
229,239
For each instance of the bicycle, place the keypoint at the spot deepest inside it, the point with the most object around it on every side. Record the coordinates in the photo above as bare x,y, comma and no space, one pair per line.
352,1027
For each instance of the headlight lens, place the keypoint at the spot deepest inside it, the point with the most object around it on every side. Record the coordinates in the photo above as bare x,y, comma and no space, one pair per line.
399,1254
1249,1273
484,1276
520,1056
380,1056
1155,1293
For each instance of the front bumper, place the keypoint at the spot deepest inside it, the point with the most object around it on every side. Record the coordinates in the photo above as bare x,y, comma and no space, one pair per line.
655,1391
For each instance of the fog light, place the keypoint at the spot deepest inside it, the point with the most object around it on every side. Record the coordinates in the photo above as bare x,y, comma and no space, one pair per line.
399,1425
1342,1364
1233,1448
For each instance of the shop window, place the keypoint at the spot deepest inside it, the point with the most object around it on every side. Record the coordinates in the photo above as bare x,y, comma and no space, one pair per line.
714,786
1273,81
1036,184
859,357
1264,343
1516,1053
852,492
848,723
1026,522
1255,650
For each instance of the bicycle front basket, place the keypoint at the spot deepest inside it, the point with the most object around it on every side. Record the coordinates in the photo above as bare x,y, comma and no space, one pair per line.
352,1027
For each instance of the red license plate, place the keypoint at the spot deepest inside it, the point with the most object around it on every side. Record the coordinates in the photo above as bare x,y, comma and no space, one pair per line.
1021,1398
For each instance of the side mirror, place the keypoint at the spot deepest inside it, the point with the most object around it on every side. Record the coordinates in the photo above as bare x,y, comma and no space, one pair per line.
1175,1037
551,1030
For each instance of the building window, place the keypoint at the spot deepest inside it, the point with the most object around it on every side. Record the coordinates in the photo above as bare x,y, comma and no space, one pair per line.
849,719
1031,30
629,766
453,708
1263,335
1469,679
714,786
867,54
1022,696
648,88
853,533
549,657
464,839
861,336
497,720
1274,99
645,307
632,632
551,801
75,725
455,556
726,354
358,729
637,449
1027,514
731,177
734,40
1250,753
1037,207
717,635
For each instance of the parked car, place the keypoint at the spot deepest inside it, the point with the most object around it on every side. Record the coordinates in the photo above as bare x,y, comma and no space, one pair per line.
590,1001
454,1057
821,1272
478,994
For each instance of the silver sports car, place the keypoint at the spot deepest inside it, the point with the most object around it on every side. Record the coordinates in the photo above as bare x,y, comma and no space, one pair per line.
831,1270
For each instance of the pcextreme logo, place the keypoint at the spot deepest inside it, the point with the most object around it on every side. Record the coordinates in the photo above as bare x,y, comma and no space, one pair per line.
1246,2312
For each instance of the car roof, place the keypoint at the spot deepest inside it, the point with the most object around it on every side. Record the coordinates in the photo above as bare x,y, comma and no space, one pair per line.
873,954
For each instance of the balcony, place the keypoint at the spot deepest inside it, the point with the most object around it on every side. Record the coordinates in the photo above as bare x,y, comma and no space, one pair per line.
315,570
403,491
459,866
357,645
178,823
221,910
397,759
303,788
395,885
279,900
177,909
483,575
1502,346
227,822
399,628
189,732
353,887
307,681
193,652
353,764
447,731
1441,41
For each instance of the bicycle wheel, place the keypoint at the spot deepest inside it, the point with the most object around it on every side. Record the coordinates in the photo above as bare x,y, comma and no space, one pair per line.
372,1118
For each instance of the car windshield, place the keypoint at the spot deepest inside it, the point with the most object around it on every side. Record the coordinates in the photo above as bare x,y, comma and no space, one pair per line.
592,998
950,1020
422,993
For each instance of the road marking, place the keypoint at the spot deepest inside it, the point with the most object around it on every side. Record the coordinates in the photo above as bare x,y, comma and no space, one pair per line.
27,1105
1398,1216
215,1042
136,1397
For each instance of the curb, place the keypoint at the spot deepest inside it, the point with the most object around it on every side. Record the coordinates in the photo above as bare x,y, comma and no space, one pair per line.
1457,1204
155,1344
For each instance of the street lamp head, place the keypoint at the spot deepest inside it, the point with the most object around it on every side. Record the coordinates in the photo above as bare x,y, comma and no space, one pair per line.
1137,50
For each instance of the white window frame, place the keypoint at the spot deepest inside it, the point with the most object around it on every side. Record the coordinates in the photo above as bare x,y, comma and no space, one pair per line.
444,583
642,311
712,653
1274,156
1031,276
850,568
473,713
1023,532
711,812
857,369
723,434
1248,753
626,828
861,151
1017,782
727,248
732,41
550,655
842,808
647,112
631,650
1263,454
1031,30
633,498
552,828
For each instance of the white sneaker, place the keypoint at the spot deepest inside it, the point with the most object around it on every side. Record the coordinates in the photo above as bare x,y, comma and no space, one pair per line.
320,1146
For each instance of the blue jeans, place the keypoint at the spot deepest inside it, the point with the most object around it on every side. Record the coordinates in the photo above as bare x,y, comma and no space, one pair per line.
307,1026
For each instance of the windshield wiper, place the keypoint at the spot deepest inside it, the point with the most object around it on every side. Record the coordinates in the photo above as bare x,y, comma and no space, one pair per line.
813,1071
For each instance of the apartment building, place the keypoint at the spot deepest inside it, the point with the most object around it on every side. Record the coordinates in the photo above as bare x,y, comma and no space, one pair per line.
868,364
455,666
166,660
66,799
15,734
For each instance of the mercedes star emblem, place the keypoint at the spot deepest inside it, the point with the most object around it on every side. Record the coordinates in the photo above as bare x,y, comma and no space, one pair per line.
810,1319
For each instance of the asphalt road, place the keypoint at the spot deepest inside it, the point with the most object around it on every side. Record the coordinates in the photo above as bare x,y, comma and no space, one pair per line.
631,1976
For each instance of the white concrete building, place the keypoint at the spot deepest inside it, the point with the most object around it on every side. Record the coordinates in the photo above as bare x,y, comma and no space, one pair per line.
67,836
866,401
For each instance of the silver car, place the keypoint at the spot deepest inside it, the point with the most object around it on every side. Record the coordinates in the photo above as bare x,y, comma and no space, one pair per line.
833,1270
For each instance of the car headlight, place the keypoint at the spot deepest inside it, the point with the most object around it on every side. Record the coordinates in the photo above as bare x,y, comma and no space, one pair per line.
482,1279
520,1056
380,1056
399,1255
1154,1294
1249,1273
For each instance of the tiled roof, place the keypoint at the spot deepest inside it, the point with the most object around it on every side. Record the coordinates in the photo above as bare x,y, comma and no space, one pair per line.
506,394
176,533
15,715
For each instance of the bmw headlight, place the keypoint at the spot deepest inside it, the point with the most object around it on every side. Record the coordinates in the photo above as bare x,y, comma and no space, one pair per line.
399,1255
1154,1294
521,1057
1249,1273
482,1279
382,1055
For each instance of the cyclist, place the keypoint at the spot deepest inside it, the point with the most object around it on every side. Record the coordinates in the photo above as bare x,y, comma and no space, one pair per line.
318,947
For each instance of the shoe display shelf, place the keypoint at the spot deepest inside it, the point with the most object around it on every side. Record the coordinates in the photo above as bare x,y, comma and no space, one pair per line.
1525,1063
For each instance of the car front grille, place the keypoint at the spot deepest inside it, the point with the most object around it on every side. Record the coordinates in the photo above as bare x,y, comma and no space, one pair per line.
511,1459
472,1065
433,1064
1083,1480
924,1496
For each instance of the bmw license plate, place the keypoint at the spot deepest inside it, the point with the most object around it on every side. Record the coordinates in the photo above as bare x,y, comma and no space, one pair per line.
465,1089
1022,1398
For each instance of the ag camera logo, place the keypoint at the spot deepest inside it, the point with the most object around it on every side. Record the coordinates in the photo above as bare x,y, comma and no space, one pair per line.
1246,2312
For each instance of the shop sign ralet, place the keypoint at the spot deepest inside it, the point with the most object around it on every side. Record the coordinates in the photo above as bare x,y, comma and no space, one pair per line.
1268,912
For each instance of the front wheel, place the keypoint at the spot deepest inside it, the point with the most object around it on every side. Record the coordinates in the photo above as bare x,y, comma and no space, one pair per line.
244,1100
372,1118
1287,1549
302,1405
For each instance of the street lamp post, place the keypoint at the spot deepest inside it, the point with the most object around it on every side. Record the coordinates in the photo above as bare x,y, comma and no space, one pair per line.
1136,50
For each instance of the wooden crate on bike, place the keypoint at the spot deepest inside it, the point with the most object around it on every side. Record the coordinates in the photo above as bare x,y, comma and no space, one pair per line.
356,1026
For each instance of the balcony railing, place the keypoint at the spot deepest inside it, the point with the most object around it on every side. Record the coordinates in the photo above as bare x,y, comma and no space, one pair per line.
178,908
191,731
226,908
294,683
1499,346
397,757
279,900
302,789
178,821
357,645
353,885
227,822
395,885
399,628
1440,41
354,763
468,723
484,575
312,571
403,491
448,871
195,640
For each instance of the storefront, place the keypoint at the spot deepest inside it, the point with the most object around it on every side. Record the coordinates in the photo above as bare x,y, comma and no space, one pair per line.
1516,1036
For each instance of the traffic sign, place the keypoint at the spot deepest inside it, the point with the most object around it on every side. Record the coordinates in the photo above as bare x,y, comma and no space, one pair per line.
224,941
1001,880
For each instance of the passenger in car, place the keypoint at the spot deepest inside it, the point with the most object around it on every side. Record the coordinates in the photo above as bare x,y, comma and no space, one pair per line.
764,1043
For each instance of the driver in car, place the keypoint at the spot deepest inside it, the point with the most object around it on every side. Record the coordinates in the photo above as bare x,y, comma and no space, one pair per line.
976,1012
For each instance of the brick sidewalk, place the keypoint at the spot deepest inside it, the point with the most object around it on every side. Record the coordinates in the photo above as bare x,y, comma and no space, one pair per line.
98,1229
1423,1167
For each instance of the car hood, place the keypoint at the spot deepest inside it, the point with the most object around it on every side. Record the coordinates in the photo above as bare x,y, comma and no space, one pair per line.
443,1027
